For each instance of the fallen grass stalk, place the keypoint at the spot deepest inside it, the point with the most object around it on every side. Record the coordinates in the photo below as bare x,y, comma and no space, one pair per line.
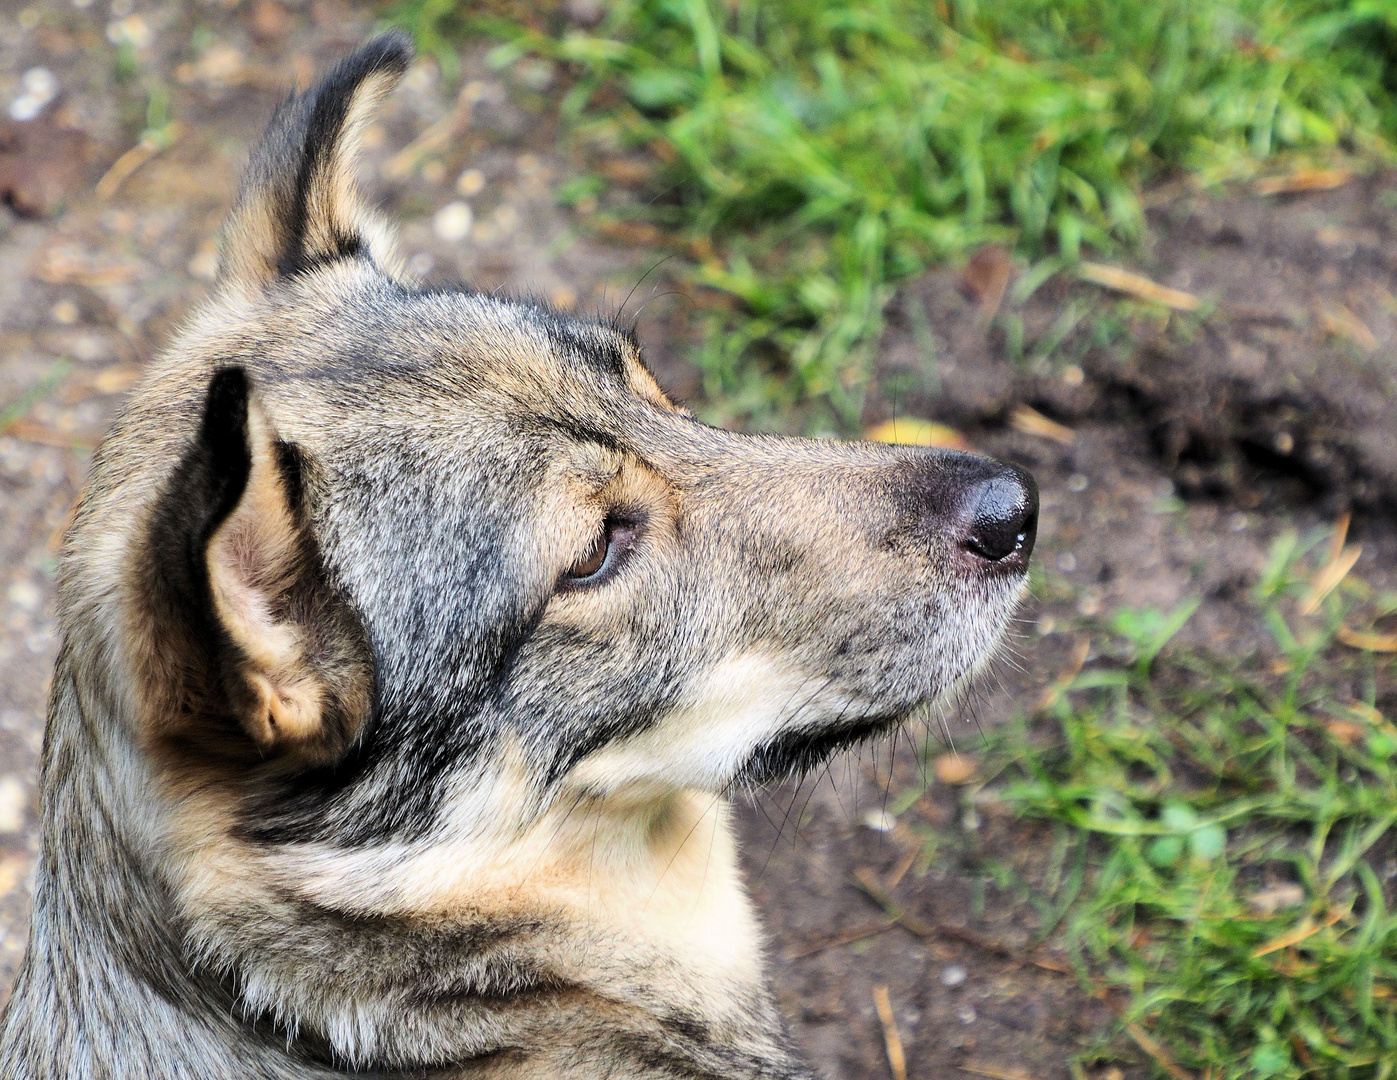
892,1040
1137,285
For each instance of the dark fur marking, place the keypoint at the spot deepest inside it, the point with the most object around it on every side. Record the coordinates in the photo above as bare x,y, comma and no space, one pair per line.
795,753
301,140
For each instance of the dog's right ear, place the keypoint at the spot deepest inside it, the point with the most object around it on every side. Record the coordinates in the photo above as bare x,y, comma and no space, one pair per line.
299,206
259,654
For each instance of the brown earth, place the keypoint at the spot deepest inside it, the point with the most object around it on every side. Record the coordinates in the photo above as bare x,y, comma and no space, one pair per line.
1192,443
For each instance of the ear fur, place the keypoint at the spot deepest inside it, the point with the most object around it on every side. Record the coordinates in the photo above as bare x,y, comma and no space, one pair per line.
299,206
268,657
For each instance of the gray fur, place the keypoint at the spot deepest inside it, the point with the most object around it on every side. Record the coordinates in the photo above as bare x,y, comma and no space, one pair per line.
466,840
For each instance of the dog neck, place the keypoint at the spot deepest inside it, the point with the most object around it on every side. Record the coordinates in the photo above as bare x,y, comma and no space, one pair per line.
163,945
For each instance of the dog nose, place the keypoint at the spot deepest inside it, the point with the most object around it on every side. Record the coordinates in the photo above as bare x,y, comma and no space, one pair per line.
1002,522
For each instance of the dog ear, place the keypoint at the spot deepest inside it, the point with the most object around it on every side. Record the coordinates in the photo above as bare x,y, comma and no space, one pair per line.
262,646
299,206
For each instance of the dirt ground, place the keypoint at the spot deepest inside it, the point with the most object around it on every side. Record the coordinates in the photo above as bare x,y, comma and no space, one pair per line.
1187,451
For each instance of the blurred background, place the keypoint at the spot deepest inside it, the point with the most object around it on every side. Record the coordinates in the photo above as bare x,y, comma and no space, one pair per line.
1148,251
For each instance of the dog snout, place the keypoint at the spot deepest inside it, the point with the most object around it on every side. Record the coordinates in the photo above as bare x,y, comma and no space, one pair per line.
1002,522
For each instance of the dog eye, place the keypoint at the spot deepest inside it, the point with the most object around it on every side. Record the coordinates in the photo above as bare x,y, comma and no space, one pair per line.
604,553
593,558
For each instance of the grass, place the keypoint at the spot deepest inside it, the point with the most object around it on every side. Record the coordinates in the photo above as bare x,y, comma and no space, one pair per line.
1225,856
809,154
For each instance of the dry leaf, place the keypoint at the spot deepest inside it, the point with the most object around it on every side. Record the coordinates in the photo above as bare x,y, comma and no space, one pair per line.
270,21
65,266
1336,542
1271,900
115,379
12,871
1343,323
910,431
1032,422
985,277
28,431
1329,577
1081,649
42,165
994,1072
1369,642
1305,929
1304,180
1112,277
954,768
1346,732
633,232
626,170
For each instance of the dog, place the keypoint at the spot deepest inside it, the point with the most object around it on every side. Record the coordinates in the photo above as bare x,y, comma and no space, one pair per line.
412,642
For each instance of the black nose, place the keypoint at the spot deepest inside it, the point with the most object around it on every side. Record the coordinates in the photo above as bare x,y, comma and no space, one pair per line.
1003,516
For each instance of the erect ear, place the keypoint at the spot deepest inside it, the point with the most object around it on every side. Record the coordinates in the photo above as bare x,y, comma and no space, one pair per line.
299,206
267,652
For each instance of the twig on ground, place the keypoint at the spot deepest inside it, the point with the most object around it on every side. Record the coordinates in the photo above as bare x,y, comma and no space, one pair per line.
995,1072
867,881
1307,928
1369,642
847,938
900,868
1031,422
1303,180
897,1059
1081,649
151,144
1329,577
1137,285
1160,1055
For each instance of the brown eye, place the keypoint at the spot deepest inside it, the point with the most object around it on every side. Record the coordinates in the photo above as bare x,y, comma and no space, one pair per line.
605,553
594,558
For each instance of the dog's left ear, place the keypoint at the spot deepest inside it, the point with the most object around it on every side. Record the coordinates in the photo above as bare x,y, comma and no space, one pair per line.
261,653
299,206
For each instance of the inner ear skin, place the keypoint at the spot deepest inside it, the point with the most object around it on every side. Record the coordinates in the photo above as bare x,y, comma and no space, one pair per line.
206,698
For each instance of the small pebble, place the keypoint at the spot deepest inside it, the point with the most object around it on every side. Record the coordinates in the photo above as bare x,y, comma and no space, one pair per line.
204,264
470,183
1077,482
65,312
421,264
954,768
966,1014
953,975
26,595
506,219
1072,375
11,804
1067,562
453,222
38,87
132,30
879,821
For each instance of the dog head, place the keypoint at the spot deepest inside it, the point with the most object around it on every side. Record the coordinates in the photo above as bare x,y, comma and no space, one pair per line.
383,536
